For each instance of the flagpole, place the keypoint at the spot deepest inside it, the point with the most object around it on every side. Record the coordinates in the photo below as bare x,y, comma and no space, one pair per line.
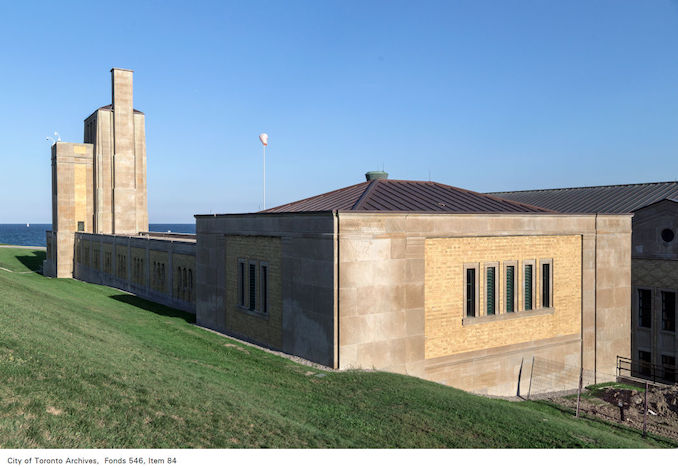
264,177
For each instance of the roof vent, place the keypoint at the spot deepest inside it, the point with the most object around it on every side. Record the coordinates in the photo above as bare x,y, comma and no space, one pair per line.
376,175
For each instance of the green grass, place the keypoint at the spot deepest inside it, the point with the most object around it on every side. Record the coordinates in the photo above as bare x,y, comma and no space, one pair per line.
85,366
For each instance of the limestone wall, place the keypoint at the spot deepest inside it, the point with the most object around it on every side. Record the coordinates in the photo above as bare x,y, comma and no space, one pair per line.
143,266
303,244
383,296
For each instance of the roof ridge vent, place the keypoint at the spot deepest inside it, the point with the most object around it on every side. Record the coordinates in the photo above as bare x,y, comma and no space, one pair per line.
376,175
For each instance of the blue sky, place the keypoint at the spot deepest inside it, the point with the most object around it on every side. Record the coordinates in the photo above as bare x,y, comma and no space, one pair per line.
486,95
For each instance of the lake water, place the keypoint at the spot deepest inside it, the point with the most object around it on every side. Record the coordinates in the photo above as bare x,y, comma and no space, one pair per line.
34,234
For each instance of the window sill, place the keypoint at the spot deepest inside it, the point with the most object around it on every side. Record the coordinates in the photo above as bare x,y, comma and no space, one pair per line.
668,332
506,316
255,313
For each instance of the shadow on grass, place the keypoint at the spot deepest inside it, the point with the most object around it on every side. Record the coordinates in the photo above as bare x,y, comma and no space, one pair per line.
33,261
153,307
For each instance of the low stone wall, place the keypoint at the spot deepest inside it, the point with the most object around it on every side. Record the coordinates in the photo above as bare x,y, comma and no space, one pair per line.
159,269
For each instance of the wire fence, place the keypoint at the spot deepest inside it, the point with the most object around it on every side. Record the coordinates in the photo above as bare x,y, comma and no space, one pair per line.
645,405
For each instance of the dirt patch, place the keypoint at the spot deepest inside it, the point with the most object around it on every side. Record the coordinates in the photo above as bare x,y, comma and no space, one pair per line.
608,404
237,347
54,410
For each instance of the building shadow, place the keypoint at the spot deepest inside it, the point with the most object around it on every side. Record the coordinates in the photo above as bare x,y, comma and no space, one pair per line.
153,307
32,261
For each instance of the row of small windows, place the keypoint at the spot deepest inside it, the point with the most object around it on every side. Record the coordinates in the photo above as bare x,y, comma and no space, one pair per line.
511,289
158,276
668,308
184,284
138,271
253,293
121,263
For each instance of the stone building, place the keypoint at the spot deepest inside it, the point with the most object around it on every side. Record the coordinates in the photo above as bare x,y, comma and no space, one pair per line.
411,277
654,263
100,214
420,278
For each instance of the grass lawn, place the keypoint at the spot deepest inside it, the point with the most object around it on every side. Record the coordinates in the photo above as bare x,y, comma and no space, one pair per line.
85,366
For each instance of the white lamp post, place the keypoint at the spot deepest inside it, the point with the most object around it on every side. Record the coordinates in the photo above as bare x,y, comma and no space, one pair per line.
264,140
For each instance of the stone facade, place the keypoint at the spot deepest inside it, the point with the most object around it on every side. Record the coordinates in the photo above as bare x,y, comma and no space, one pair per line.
303,244
143,265
383,290
655,273
99,186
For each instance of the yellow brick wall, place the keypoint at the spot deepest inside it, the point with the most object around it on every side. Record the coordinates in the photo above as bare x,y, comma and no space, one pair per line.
263,328
445,283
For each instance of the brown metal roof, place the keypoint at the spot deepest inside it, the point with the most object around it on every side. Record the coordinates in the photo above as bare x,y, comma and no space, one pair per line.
406,196
609,199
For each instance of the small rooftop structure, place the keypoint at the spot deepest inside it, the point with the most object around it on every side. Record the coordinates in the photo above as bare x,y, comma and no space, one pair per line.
384,195
608,199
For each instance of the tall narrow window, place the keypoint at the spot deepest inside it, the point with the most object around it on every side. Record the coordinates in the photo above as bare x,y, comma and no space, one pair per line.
510,288
190,285
669,367
668,311
490,296
263,285
241,283
528,286
253,286
546,285
645,308
470,292
178,282
645,364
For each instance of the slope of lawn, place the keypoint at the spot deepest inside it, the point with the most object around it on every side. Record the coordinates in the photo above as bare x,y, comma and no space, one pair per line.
85,366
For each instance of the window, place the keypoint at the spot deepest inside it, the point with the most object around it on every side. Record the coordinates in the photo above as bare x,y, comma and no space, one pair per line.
645,364
667,235
668,311
190,285
263,286
241,282
510,294
669,367
490,290
528,286
81,226
470,292
178,282
644,308
253,286
546,281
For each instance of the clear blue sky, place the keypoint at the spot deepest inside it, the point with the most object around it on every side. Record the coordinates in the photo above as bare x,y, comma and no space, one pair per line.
486,95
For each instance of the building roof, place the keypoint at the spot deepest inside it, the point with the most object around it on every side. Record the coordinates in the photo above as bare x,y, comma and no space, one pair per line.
609,199
405,195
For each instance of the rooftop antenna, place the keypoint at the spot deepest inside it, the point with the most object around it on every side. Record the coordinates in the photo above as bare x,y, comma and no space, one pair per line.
264,140
56,139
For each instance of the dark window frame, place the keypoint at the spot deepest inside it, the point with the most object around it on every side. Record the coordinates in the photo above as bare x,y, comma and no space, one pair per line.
644,301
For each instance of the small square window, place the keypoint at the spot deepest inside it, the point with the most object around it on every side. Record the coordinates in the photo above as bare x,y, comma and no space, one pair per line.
81,226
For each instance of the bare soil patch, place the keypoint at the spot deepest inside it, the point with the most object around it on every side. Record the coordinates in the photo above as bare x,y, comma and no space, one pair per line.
604,403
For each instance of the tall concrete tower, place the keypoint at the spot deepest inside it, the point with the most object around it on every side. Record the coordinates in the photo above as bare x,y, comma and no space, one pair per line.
99,186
